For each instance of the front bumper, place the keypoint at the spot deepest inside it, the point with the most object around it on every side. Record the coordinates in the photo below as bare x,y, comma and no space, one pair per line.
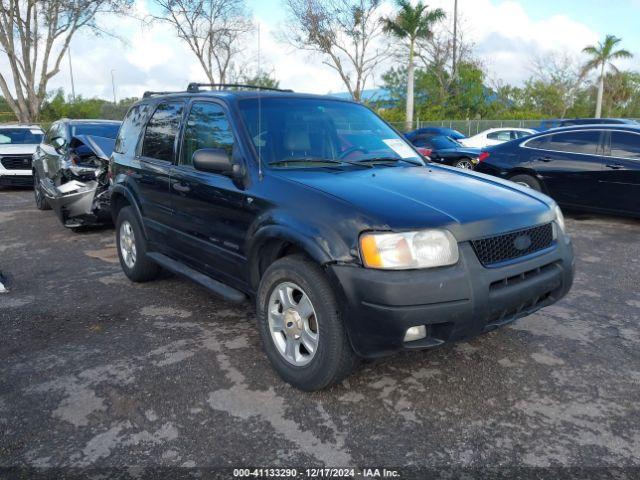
454,303
15,178
78,203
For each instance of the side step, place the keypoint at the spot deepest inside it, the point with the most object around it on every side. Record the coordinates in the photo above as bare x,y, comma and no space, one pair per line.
209,283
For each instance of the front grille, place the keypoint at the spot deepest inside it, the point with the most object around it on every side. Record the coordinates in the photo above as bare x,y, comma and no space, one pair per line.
512,245
16,162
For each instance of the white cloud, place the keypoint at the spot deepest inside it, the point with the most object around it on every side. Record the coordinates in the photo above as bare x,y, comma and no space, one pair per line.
153,58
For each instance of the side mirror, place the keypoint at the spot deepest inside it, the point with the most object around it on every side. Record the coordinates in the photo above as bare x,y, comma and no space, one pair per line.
215,160
58,143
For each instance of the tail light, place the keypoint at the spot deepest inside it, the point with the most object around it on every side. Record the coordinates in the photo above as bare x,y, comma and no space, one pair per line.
483,156
424,151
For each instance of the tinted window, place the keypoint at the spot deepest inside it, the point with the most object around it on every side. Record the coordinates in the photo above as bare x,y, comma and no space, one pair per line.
538,142
575,142
298,128
441,143
503,136
107,130
161,131
19,136
131,127
207,127
626,145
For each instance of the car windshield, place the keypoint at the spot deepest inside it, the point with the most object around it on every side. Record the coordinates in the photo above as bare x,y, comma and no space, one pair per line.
108,130
20,136
441,143
302,132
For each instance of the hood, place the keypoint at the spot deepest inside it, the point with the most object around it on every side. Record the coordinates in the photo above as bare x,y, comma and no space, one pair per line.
399,198
101,146
24,149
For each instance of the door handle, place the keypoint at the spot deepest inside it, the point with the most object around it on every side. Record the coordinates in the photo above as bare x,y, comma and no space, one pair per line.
545,159
181,187
615,166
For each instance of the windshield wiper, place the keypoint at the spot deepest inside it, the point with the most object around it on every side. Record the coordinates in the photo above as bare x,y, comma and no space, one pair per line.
390,159
320,160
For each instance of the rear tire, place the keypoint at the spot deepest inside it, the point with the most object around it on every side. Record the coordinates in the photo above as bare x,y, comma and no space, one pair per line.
527,181
132,248
41,201
332,358
464,164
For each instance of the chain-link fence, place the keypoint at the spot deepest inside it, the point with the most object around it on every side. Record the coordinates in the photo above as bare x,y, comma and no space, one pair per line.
468,127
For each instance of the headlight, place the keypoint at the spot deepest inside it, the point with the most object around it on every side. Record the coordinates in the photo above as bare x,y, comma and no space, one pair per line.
401,251
560,219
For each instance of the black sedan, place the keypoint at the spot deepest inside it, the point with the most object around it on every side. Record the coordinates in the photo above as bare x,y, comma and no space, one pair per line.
446,150
591,167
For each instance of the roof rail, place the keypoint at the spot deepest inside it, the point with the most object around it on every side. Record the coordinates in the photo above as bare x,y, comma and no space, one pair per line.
148,94
195,87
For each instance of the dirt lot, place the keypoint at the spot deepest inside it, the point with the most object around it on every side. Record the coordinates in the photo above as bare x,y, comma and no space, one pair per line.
97,371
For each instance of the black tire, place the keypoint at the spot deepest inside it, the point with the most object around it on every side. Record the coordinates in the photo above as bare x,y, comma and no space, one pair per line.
464,164
41,201
528,181
334,358
142,269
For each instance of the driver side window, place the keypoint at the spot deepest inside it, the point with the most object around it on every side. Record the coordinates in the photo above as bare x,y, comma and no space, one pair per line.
207,127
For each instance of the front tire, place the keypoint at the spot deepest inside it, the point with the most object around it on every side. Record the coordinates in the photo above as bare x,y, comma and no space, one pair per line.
527,181
41,201
300,325
132,248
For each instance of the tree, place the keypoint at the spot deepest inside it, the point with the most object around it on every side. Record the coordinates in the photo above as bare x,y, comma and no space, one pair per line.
411,24
602,55
34,37
344,32
561,73
214,30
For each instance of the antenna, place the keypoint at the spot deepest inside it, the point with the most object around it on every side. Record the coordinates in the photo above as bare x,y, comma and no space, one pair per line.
259,112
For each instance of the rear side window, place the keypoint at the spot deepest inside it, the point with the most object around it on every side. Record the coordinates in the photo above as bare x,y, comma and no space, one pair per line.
575,142
625,145
131,127
538,142
503,136
160,134
207,127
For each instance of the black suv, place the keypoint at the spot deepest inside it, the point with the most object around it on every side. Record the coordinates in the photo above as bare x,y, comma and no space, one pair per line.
349,243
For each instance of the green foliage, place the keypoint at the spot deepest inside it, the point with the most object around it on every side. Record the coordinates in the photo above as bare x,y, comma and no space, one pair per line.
58,106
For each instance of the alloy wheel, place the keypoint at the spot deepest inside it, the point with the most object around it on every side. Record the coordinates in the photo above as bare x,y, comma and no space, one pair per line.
128,244
293,324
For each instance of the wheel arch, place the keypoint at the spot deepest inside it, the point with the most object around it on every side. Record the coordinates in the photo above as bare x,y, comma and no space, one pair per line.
122,197
530,172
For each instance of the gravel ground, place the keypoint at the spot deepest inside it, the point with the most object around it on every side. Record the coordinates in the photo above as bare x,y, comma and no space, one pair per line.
99,372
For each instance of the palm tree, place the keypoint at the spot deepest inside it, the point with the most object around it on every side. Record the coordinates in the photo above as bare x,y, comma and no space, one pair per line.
601,57
411,24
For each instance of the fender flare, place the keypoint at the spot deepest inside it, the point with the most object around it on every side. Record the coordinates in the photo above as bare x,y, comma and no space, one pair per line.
119,189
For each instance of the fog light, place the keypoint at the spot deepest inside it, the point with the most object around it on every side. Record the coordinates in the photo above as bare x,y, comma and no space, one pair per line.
415,333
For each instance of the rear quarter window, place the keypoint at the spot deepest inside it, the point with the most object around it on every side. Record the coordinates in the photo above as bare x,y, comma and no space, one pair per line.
131,128
625,145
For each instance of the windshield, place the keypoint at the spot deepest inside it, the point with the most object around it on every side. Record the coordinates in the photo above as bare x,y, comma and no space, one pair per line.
108,130
20,136
313,129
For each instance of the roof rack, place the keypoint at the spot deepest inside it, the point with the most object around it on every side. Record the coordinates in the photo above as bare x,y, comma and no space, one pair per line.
195,87
148,94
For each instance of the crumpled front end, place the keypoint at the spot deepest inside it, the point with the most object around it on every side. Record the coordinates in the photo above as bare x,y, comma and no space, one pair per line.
79,192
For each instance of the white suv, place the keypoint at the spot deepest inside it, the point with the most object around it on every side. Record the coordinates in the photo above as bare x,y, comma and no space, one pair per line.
18,143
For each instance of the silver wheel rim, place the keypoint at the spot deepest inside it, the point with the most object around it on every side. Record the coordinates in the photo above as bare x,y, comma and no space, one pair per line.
127,244
293,324
36,189
465,165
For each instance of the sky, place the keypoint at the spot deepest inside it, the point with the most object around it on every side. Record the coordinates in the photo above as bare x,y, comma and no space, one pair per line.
507,34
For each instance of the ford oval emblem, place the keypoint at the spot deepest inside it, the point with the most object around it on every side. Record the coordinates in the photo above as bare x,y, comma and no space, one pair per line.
522,242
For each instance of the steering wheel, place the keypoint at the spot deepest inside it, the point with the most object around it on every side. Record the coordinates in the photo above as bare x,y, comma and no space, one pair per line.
350,150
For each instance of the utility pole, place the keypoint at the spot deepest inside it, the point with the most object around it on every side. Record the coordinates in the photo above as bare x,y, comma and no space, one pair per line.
113,87
73,87
455,39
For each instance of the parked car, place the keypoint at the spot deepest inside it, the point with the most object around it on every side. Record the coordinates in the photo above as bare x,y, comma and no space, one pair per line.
435,132
592,167
70,171
567,122
317,209
17,144
495,136
447,151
